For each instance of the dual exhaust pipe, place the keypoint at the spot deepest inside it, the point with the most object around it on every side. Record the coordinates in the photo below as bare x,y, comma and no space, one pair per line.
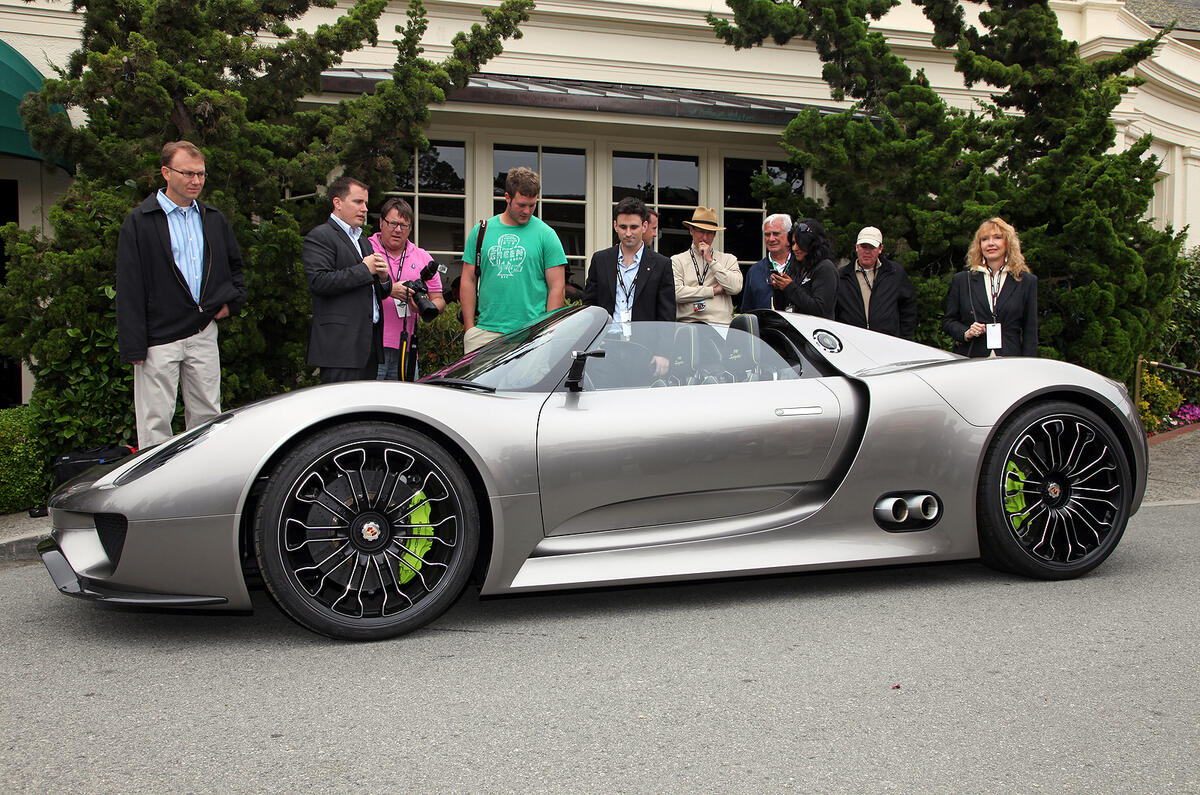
907,511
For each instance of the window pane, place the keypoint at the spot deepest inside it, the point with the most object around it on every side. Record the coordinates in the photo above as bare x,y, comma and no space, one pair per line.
743,236
443,168
575,278
633,175
498,206
509,156
568,220
738,172
783,173
673,236
678,180
405,179
440,224
564,175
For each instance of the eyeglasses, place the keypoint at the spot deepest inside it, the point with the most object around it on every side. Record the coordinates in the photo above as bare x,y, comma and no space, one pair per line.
189,174
801,227
401,225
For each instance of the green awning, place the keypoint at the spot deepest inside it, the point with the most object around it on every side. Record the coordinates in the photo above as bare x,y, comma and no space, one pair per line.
17,78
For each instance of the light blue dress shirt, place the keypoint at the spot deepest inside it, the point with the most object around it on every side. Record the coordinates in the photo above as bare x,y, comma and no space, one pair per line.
626,276
187,241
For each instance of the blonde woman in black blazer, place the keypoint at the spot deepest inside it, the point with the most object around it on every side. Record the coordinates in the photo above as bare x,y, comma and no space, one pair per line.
996,287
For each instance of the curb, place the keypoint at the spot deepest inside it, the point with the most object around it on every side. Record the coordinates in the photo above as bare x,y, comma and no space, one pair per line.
1171,434
20,550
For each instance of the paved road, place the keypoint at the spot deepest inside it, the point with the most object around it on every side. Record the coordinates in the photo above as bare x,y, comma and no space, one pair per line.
946,678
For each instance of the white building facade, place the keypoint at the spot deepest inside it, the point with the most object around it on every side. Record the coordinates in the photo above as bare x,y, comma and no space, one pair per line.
611,97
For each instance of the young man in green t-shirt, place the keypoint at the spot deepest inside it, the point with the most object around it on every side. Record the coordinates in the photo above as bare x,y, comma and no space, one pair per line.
522,268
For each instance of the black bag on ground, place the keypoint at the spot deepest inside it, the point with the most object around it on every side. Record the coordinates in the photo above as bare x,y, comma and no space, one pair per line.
77,462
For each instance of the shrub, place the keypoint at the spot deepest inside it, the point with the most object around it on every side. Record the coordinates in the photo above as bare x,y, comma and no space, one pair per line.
24,480
1179,343
441,342
1159,400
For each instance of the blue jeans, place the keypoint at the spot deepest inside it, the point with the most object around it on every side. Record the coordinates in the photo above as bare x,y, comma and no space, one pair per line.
389,368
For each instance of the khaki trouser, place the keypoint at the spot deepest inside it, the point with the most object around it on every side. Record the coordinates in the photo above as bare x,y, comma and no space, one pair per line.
476,337
193,364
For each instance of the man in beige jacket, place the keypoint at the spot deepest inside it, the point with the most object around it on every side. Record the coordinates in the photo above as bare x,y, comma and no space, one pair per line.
705,279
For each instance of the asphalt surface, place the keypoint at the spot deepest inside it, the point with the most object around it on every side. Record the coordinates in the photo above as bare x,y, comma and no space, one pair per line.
946,678
1174,478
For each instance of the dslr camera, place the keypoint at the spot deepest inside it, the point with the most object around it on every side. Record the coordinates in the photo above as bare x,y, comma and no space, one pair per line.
425,307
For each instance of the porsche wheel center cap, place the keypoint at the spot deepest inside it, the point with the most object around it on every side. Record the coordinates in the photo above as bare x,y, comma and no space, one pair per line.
370,532
1055,493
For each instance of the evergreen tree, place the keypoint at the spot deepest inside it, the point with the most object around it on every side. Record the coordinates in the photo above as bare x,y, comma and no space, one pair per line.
1039,155
228,75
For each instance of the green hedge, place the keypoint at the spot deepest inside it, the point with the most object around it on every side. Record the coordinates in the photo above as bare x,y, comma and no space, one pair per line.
24,480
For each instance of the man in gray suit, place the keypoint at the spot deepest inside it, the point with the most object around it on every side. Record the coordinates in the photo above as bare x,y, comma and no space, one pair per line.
347,279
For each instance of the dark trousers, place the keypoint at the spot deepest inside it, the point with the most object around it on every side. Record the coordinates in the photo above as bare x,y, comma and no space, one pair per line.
333,375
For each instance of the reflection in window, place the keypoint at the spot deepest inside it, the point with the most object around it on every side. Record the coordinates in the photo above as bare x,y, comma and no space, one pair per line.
667,183
435,184
744,214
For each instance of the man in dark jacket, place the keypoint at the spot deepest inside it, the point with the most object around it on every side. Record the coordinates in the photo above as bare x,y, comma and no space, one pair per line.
348,280
874,292
179,270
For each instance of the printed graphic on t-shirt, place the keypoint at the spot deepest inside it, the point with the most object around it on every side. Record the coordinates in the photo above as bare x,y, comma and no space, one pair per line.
507,256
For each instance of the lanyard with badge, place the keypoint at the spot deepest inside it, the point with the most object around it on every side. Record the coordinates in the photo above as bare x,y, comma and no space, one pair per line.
625,316
401,305
993,328
698,306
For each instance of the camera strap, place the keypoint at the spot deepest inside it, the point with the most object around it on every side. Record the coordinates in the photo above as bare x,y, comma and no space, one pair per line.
478,250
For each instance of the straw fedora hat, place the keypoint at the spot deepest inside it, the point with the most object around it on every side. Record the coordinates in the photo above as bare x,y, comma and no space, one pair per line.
704,218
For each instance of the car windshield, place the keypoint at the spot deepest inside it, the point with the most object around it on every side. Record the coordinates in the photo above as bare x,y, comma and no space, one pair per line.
533,359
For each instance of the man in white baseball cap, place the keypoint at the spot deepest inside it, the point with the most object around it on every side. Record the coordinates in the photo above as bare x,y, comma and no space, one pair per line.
874,292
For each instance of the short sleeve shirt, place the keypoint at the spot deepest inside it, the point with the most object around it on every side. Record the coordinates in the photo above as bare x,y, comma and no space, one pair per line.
512,289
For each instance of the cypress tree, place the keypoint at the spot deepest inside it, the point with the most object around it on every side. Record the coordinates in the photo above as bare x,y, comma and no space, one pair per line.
1039,154
228,75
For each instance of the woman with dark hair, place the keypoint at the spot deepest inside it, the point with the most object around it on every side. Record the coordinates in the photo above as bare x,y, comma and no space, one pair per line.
991,309
808,284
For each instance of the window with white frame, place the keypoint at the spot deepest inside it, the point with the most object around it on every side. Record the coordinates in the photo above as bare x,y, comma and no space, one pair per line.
667,183
744,215
435,184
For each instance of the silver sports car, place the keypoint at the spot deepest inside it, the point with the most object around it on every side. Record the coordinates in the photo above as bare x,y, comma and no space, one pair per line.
581,452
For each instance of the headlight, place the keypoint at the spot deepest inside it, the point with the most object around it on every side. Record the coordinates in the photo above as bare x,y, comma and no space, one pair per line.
172,448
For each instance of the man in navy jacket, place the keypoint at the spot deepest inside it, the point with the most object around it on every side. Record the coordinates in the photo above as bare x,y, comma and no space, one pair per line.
179,271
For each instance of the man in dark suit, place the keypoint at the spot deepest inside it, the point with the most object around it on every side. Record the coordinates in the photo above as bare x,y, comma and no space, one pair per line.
629,280
347,279
629,277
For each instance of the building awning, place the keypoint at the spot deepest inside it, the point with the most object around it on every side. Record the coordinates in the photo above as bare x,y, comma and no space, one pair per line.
586,95
17,78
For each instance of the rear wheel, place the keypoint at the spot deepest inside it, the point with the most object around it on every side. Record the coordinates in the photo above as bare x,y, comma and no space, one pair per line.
367,531
1054,493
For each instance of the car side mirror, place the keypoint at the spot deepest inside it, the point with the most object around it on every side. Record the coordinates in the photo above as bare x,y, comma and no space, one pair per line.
575,374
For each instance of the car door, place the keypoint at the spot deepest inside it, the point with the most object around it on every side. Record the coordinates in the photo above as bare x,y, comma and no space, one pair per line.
677,451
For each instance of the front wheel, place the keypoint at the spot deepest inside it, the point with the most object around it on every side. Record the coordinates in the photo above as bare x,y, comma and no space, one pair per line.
1054,493
367,531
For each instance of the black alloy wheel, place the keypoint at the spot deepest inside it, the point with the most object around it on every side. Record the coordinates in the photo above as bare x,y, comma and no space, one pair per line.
1054,493
367,531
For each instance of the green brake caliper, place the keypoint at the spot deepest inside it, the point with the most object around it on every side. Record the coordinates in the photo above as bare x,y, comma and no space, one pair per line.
1014,495
418,515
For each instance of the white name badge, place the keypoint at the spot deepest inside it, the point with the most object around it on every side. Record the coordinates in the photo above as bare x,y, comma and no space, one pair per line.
401,308
993,336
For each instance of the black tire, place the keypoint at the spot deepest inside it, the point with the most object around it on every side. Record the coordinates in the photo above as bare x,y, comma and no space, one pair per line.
366,531
1054,493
